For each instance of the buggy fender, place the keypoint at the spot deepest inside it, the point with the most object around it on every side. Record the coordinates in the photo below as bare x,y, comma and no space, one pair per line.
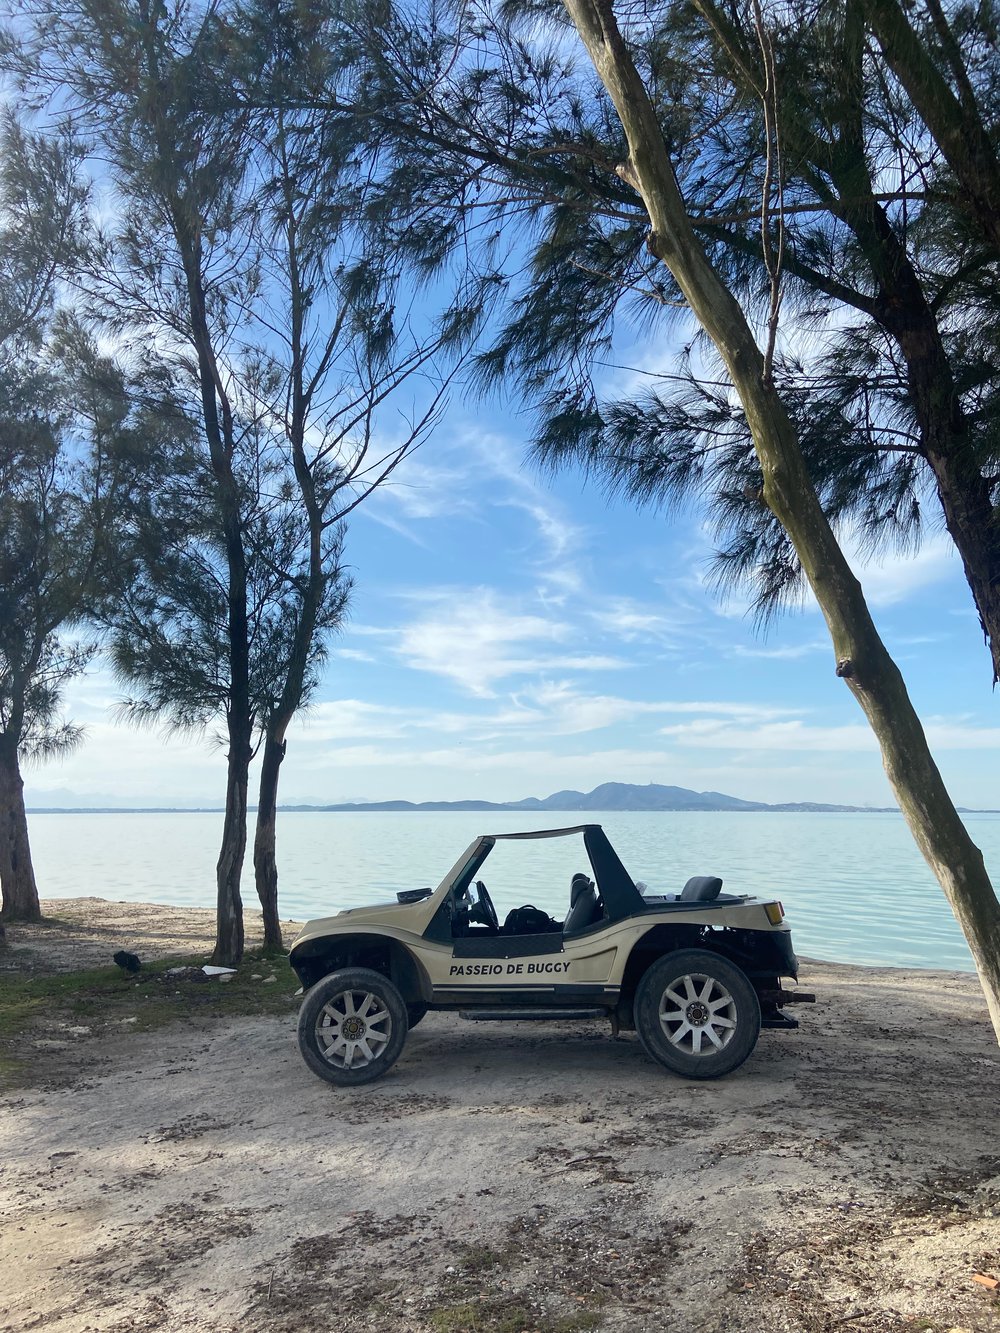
318,956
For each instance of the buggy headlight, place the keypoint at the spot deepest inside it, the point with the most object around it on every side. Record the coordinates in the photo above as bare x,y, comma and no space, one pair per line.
774,912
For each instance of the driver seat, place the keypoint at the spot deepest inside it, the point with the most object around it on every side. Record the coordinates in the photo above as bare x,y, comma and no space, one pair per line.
584,905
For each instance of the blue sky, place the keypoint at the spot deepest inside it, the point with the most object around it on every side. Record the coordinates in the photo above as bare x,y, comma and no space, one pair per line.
513,634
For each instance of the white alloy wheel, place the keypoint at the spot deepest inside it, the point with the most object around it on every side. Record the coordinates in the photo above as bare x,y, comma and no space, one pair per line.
352,1029
352,1026
697,1013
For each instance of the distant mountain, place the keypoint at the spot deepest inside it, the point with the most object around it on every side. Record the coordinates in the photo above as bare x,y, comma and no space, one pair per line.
608,796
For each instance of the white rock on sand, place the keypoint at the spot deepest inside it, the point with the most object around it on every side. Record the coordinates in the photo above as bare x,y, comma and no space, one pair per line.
509,1177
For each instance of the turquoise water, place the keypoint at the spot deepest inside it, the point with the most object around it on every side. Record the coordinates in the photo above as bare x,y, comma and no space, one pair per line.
853,886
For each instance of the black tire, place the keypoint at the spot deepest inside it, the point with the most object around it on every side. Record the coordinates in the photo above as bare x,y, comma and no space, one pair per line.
352,998
697,1014
415,1013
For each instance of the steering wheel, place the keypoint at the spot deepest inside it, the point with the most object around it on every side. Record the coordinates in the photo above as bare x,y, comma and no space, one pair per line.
484,912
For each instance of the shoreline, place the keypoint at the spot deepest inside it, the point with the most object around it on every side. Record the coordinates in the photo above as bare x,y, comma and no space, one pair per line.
81,928
471,808
854,889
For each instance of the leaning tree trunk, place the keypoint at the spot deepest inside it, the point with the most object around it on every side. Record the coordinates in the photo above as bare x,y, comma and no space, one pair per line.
264,849
17,876
862,659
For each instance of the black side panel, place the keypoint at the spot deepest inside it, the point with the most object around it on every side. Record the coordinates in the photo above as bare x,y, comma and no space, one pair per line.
440,925
507,946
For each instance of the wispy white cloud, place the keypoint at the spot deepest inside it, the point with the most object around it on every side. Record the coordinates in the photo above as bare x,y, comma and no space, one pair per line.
731,709
475,640
545,710
562,708
353,655
887,578
958,736
145,767
789,652
632,621
893,579
427,487
726,734
338,720
794,735
471,475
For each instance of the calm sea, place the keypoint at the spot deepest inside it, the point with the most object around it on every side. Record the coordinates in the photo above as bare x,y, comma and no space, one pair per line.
853,886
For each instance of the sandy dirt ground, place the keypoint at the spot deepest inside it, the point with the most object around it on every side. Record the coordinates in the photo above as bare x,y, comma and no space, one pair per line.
506,1178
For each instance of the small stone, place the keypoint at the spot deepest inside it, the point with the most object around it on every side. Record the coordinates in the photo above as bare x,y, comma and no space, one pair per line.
226,976
256,976
268,980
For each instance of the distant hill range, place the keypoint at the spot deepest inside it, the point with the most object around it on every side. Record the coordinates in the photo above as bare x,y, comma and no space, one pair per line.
608,796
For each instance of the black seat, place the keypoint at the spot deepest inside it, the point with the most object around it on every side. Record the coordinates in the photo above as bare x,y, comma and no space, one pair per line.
701,889
584,905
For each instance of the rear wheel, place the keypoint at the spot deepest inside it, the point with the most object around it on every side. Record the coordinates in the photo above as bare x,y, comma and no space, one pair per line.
352,1026
697,1014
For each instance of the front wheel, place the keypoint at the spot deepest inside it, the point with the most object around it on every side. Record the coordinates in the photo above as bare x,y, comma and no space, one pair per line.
352,1026
697,1014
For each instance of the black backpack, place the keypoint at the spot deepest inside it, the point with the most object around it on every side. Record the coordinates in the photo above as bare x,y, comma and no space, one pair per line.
528,920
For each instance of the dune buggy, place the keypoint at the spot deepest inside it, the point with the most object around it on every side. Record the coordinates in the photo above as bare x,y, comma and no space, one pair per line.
697,974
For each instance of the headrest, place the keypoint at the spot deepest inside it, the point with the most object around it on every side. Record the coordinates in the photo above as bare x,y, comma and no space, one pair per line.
578,885
701,889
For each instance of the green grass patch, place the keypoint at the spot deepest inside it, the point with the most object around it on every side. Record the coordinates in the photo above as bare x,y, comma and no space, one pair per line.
476,1258
509,1316
105,1000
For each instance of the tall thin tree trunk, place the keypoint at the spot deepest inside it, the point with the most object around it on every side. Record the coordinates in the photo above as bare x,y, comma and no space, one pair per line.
17,876
218,420
862,660
265,859
229,904
264,850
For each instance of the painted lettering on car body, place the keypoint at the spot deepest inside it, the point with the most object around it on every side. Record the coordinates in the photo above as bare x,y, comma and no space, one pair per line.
507,969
